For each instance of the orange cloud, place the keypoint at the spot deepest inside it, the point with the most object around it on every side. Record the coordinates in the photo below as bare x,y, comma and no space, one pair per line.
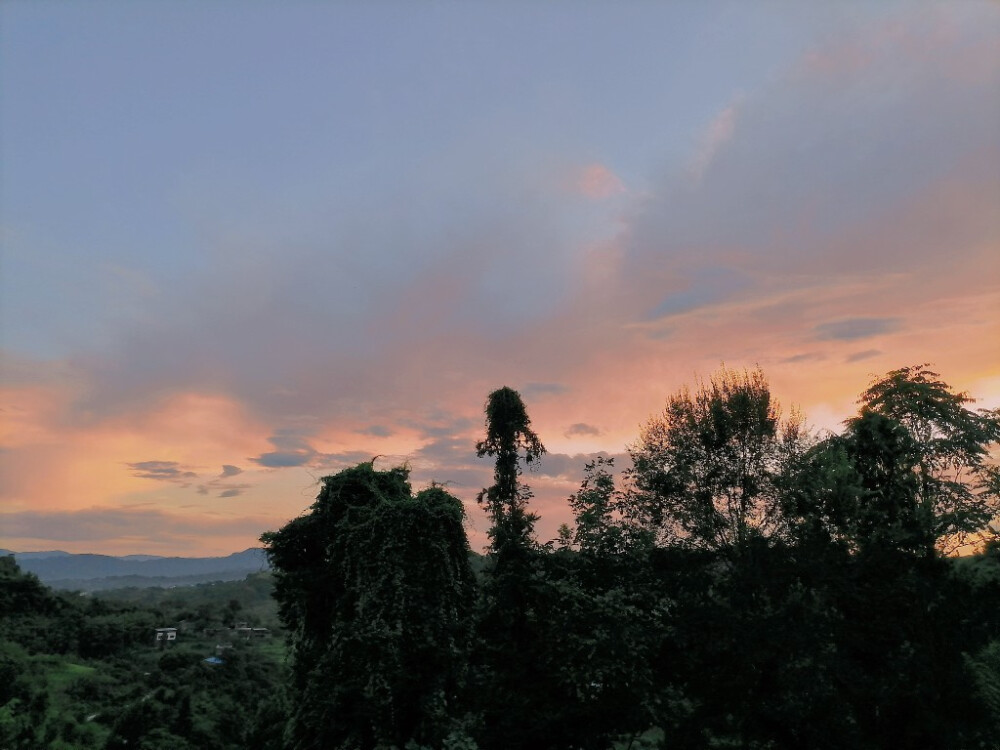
52,464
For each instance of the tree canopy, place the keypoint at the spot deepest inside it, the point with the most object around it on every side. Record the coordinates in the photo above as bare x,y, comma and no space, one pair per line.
746,585
705,468
912,470
957,491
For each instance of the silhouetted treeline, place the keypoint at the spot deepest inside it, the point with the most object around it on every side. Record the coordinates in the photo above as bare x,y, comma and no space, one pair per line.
744,584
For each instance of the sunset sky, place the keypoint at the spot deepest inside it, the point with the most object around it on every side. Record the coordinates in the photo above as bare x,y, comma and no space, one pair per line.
245,245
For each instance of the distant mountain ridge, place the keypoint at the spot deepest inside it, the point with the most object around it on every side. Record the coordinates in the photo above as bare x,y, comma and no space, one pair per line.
35,555
88,572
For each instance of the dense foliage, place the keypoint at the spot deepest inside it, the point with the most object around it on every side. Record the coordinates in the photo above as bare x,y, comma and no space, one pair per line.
747,584
705,470
375,588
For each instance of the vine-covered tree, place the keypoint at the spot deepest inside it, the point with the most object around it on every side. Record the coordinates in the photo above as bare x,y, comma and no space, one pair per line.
553,677
517,686
508,436
705,469
375,589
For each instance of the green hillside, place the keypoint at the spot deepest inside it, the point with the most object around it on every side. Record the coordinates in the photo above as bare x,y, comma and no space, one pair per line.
85,672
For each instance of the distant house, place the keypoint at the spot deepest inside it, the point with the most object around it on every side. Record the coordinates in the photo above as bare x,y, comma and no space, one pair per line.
246,632
165,636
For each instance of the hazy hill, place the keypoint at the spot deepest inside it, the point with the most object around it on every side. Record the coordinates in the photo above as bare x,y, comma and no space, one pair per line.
98,572
34,555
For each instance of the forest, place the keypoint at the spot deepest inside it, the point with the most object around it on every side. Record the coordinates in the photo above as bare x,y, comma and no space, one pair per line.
743,583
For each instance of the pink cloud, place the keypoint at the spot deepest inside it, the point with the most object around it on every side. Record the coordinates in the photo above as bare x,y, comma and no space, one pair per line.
596,181
955,41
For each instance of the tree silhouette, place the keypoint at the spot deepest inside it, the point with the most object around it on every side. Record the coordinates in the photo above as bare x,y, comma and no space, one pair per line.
705,469
510,439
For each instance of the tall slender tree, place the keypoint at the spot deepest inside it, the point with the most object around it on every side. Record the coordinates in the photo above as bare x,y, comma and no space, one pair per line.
512,625
510,439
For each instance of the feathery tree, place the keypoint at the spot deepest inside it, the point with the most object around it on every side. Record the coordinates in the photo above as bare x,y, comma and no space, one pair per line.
705,469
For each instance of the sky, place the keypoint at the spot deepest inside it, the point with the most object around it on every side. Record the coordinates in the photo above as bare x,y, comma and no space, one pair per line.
244,245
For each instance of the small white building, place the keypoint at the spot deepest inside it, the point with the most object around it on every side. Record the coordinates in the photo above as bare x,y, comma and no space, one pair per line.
165,636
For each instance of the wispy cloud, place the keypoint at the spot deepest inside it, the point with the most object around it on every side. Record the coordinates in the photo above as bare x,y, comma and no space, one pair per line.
803,357
863,355
292,449
223,489
570,466
165,471
705,287
377,430
852,329
538,390
221,486
718,133
582,429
